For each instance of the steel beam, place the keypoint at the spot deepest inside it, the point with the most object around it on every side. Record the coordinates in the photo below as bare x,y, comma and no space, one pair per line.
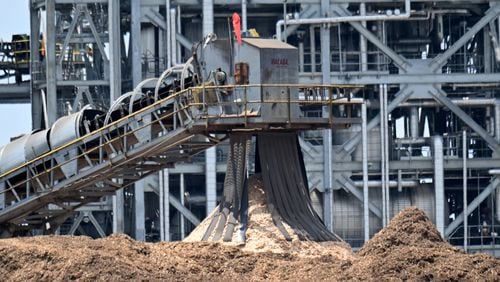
376,78
183,210
398,60
490,15
356,192
440,96
400,97
15,94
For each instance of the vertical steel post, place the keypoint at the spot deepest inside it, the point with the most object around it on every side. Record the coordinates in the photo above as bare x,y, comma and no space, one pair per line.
164,205
465,203
327,134
140,230
211,179
366,212
183,221
382,154
363,45
439,182
50,58
114,31
312,43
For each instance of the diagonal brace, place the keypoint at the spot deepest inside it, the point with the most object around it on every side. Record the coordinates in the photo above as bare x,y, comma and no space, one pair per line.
440,96
398,60
490,15
473,205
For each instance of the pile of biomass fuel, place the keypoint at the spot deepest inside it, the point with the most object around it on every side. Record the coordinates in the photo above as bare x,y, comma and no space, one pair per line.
409,248
263,235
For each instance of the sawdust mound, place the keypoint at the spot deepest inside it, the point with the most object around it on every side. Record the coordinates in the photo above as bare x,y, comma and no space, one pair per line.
411,248
411,227
119,258
264,236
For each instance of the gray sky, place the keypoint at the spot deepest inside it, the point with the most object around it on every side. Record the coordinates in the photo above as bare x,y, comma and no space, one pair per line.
15,119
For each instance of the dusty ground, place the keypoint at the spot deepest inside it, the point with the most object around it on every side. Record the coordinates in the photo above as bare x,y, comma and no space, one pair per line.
409,248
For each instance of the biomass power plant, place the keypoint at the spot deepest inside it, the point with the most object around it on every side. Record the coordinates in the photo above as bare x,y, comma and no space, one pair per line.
150,117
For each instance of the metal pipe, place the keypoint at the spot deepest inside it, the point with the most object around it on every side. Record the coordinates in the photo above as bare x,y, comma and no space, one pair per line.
494,171
439,182
312,42
169,31
391,184
165,205
459,102
386,148
173,32
330,20
140,228
464,157
208,17
363,42
301,56
179,31
366,212
382,154
400,180
182,190
414,122
244,26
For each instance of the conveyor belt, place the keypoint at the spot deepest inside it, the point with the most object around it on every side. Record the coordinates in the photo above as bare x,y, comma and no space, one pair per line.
225,220
286,185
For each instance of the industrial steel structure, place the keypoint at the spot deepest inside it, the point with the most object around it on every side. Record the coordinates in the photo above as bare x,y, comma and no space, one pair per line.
424,128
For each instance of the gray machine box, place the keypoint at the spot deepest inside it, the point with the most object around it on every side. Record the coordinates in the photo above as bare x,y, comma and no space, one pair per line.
271,62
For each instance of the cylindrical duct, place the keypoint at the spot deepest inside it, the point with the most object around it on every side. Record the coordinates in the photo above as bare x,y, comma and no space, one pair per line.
439,182
208,17
414,122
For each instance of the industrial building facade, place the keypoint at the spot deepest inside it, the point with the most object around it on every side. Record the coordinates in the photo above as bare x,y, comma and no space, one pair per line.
427,133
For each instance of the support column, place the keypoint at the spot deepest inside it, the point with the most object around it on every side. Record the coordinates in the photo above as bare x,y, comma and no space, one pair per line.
487,50
118,212
382,151
168,45
366,201
211,178
327,134
36,100
414,122
465,203
244,25
183,221
135,41
115,89
140,230
439,183
173,40
312,43
363,45
50,58
164,205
